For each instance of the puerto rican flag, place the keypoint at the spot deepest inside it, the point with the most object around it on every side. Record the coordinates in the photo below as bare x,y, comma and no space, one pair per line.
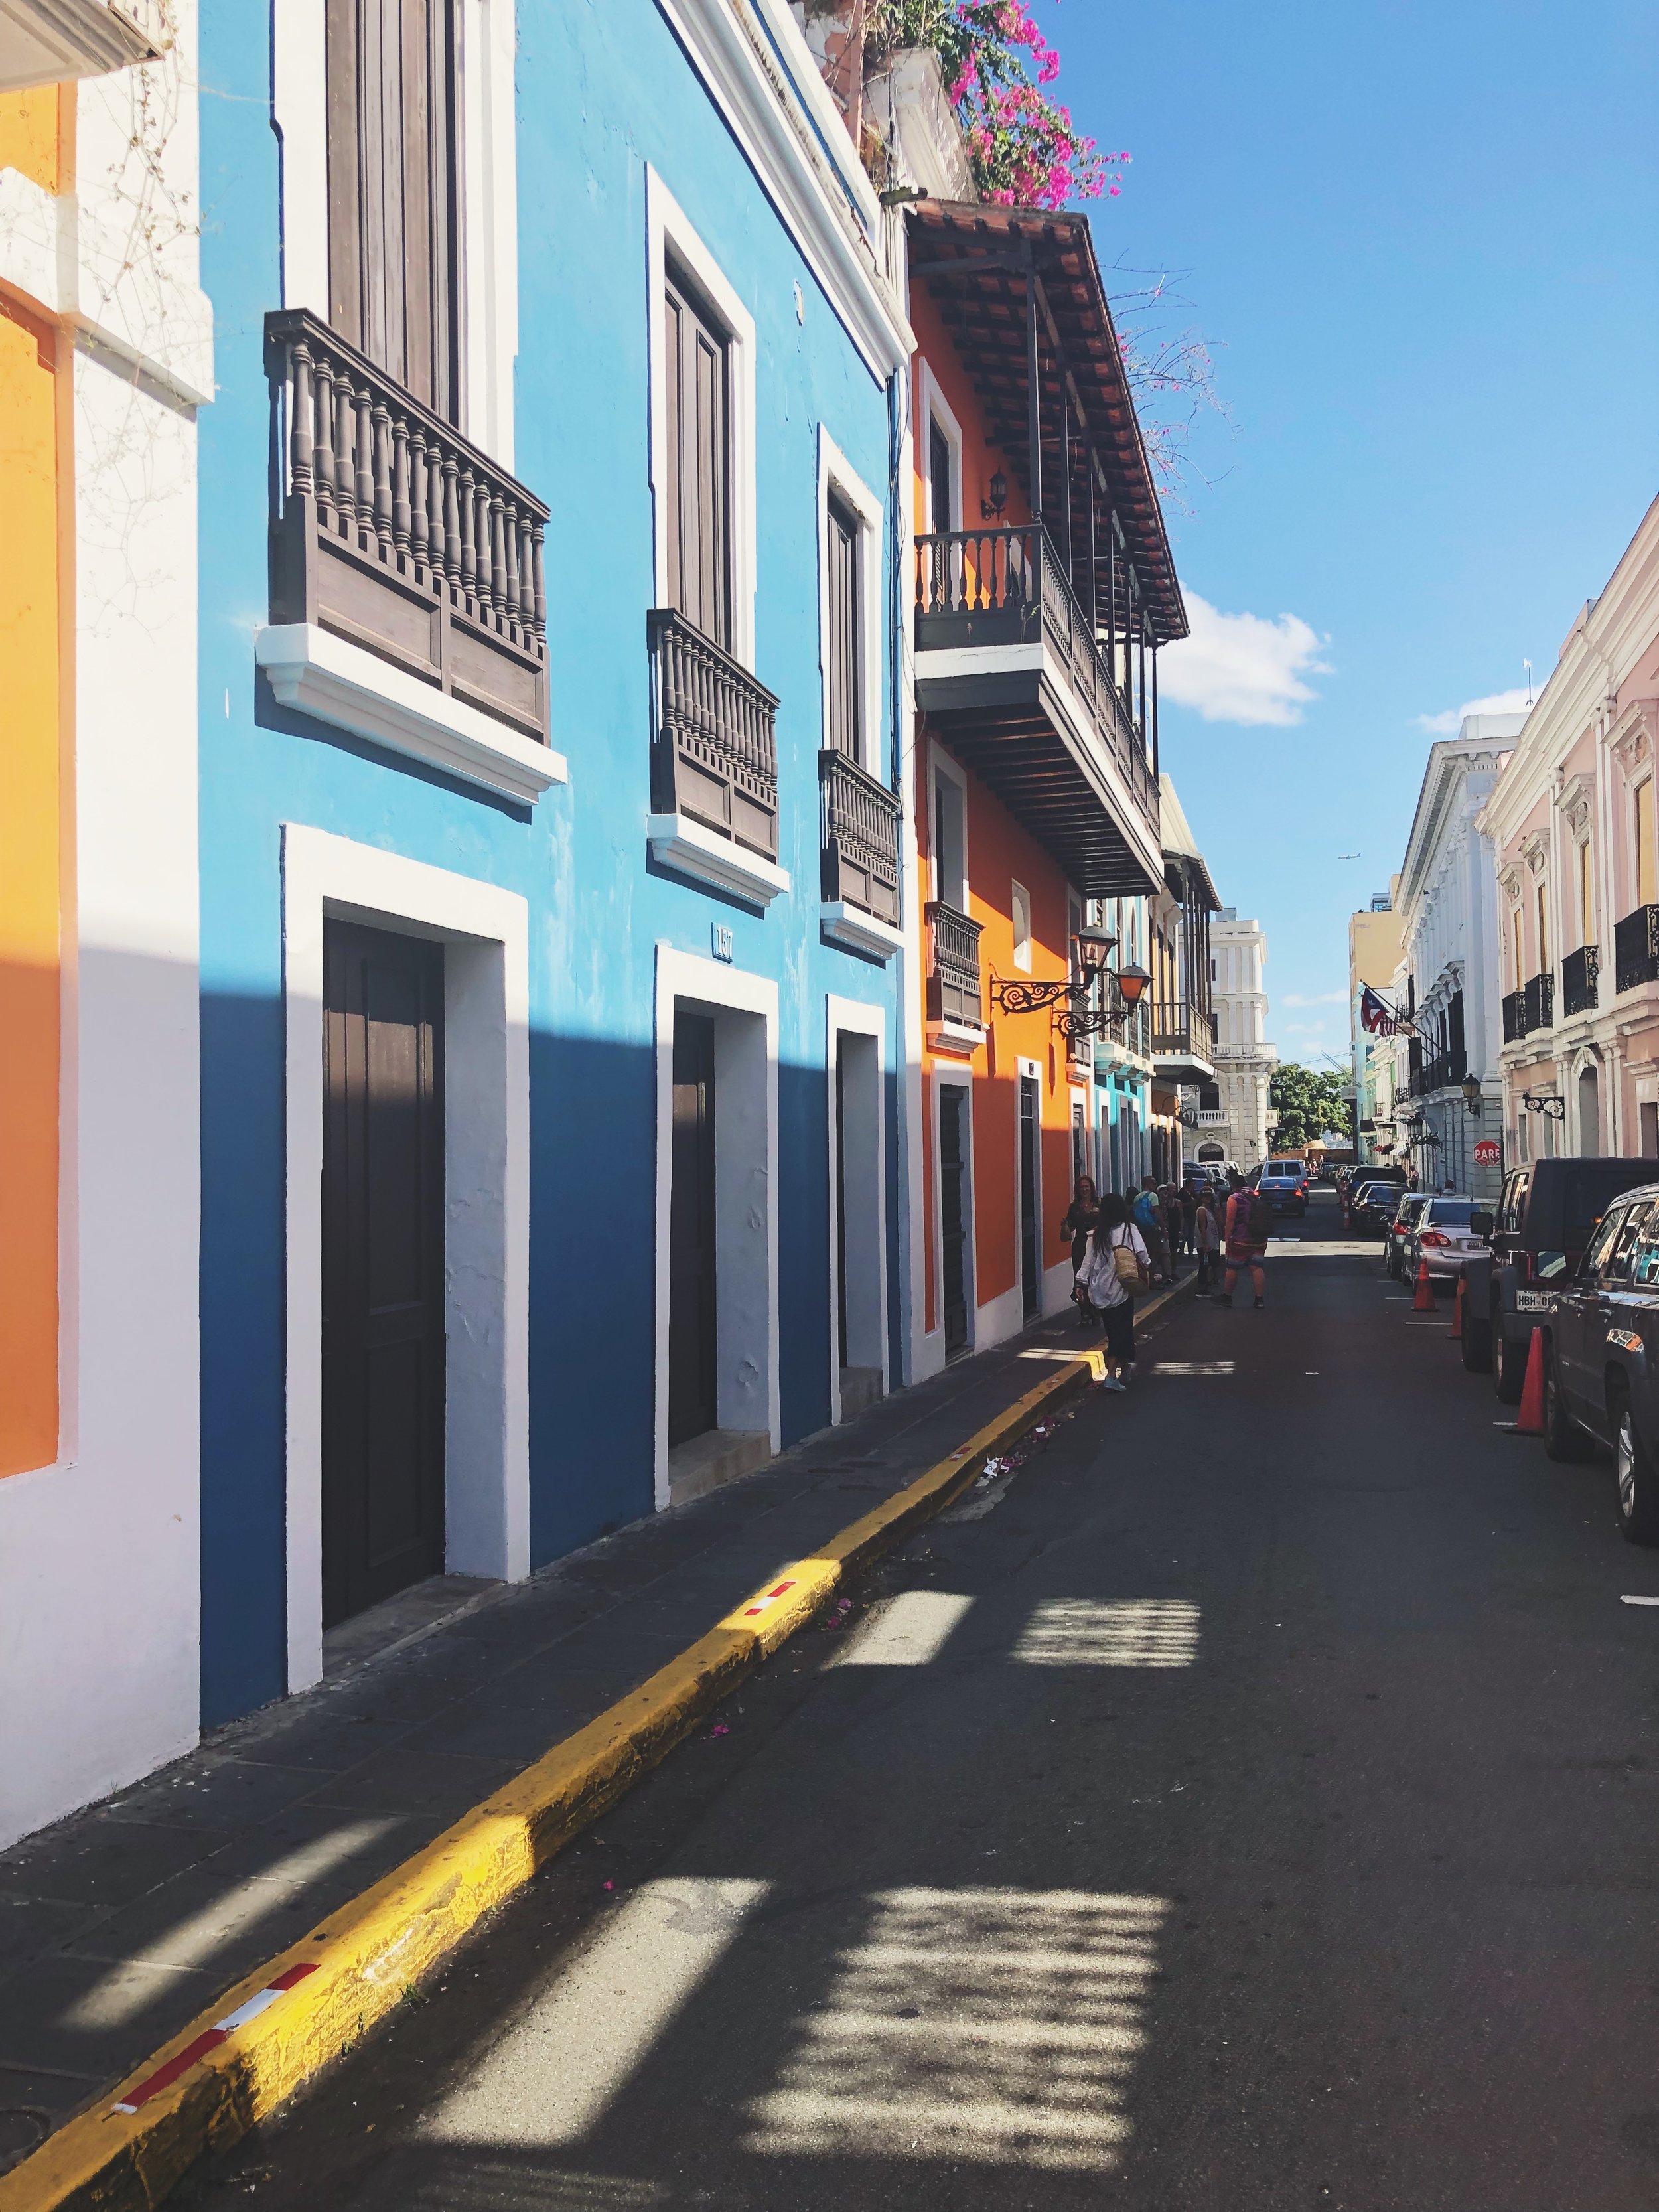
1376,1017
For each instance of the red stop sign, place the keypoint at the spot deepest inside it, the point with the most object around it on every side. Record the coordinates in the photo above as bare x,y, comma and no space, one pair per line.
1487,1152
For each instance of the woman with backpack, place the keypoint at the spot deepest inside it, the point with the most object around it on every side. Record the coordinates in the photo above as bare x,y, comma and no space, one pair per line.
1116,1269
1250,1224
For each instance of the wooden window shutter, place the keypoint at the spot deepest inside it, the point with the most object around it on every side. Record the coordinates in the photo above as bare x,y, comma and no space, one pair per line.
394,232
844,719
696,363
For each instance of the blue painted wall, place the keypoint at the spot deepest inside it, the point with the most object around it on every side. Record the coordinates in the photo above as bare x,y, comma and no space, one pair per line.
601,91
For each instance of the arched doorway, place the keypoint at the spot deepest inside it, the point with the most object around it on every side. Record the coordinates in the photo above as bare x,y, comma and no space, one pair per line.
1589,1116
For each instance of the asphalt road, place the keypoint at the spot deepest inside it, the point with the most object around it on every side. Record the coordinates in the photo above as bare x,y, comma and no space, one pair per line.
1254,1806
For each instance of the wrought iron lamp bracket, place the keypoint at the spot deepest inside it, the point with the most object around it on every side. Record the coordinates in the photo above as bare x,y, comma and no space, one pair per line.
1545,1102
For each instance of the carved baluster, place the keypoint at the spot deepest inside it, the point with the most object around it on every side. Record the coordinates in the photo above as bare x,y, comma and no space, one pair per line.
381,418
322,458
299,427
510,531
400,515
541,586
418,519
452,575
486,560
498,554
526,576
469,506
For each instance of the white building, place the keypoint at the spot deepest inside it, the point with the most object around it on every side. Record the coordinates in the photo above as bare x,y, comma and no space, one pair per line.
1447,906
1233,1110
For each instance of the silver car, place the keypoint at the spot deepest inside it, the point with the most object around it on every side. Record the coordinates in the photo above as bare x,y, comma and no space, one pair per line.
1442,1235
1406,1218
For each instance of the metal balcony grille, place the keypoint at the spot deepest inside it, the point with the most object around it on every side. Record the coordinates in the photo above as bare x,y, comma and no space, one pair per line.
1580,973
1636,949
1515,1016
1541,1003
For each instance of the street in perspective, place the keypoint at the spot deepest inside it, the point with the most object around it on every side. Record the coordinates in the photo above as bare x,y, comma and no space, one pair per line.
829,1130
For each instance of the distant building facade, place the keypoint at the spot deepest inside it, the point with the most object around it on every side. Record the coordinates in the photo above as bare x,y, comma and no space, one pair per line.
1373,949
1233,1110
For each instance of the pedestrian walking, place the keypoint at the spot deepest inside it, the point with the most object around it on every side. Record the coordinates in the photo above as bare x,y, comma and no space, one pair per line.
1175,1223
1207,1238
1147,1215
1250,1224
1189,1216
1079,1225
1116,1270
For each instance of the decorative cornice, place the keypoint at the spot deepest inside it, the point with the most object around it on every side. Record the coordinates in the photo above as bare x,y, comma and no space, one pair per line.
1535,850
1631,739
1577,801
1509,877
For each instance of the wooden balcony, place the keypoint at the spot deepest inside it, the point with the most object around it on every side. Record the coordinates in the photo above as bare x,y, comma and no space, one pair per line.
859,838
395,533
1183,1043
1580,978
1636,949
715,755
954,991
1009,671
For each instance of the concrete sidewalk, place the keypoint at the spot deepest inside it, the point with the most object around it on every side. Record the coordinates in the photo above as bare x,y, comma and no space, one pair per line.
118,1926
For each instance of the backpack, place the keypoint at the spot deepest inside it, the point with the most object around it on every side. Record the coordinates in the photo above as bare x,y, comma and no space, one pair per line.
1125,1264
1258,1217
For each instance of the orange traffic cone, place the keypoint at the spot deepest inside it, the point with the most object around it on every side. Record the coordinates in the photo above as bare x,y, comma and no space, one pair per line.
1530,1422
1423,1296
1457,1312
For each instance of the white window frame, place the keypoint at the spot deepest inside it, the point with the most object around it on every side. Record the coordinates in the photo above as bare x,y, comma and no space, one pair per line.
488,195
936,408
837,474
1019,900
669,232
942,769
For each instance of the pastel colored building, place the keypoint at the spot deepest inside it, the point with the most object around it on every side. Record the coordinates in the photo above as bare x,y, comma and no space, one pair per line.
1179,1010
1236,1115
105,355
1574,832
1044,586
552,1004
1375,948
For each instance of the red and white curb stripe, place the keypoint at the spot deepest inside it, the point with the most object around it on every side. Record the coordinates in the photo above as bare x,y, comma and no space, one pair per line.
210,2039
765,1604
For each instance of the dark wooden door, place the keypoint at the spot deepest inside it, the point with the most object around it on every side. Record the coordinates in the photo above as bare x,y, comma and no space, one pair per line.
382,1266
393,239
1028,1247
939,472
698,521
840,1205
693,1392
953,1275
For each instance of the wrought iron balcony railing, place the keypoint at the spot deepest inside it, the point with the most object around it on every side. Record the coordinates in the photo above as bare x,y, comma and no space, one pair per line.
953,968
1636,949
858,831
714,754
1540,1002
1009,587
1580,974
1179,1029
1515,1016
396,533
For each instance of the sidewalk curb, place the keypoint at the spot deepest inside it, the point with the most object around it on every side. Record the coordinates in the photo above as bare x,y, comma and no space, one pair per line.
277,2027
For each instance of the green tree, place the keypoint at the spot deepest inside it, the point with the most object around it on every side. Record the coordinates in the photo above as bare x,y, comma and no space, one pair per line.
1308,1101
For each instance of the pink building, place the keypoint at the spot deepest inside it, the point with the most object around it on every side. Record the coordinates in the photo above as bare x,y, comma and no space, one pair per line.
1576,841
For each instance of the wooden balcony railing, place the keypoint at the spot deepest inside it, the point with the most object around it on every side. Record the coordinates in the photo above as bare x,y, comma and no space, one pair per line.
1009,587
396,533
714,753
1541,1003
1580,974
1636,949
858,831
953,969
1182,1031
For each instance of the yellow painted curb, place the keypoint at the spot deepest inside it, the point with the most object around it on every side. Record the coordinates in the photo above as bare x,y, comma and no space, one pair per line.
367,1955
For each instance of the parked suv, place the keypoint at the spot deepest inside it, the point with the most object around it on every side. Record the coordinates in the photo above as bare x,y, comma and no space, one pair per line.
1546,1216
1284,1184
1371,1208
1602,1356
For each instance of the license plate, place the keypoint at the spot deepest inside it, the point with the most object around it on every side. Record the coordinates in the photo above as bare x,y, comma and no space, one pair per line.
1534,1302
1469,1243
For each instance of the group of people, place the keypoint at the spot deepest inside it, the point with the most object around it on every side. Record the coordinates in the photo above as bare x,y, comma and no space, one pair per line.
1122,1246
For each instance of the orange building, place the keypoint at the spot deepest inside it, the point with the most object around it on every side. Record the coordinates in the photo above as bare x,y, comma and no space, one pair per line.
1044,586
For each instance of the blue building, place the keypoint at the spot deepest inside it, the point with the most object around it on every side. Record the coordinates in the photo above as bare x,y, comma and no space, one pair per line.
552,1033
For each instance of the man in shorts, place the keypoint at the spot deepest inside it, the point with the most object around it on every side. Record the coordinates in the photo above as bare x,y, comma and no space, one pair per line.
1250,1224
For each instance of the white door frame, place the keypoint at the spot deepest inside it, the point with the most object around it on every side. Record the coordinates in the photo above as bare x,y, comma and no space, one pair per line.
486,933
853,1016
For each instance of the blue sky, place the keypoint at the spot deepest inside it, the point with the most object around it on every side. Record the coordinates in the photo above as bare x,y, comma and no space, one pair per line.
1421,240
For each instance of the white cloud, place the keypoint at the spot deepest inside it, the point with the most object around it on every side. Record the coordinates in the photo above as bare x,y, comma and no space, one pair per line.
1315,999
1495,703
1240,668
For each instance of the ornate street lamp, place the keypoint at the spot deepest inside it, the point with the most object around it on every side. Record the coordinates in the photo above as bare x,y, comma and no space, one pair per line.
1471,1097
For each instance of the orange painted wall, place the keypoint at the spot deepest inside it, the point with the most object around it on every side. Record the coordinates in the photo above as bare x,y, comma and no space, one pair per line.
999,853
31,888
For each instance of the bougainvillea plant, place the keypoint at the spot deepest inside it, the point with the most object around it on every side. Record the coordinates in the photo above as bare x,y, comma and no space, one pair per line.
1024,148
